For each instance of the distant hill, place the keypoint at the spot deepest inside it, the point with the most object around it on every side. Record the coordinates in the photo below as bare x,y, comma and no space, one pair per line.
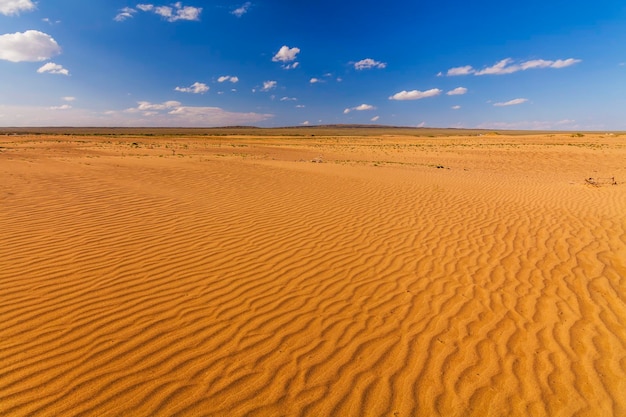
315,130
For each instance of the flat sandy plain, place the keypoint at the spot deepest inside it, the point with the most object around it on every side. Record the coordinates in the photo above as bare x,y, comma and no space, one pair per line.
229,275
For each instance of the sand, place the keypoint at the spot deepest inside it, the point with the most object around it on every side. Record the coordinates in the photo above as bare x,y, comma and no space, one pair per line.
233,276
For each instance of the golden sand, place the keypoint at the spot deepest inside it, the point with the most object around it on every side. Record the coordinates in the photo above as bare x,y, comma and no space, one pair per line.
232,276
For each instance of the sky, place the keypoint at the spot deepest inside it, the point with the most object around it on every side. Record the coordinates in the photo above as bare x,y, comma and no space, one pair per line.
532,64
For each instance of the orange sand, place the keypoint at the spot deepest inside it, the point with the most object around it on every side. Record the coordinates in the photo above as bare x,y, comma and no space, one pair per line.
231,276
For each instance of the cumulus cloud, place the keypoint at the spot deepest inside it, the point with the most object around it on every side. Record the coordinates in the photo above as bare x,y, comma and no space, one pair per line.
174,113
375,118
459,91
240,11
460,71
300,106
14,7
499,68
195,88
170,13
146,106
230,78
30,46
511,102
508,66
361,107
369,63
53,68
415,94
178,12
269,85
286,54
315,80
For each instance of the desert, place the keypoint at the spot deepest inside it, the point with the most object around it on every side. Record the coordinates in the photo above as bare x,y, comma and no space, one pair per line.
312,272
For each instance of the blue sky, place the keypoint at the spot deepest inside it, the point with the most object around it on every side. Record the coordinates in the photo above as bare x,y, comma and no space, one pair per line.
486,64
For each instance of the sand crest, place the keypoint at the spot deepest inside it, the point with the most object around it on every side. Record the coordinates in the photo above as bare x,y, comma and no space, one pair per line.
401,276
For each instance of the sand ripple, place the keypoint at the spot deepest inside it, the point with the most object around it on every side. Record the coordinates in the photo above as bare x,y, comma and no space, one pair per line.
235,287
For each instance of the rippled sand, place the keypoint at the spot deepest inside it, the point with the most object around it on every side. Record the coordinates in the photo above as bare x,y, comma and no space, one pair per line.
401,276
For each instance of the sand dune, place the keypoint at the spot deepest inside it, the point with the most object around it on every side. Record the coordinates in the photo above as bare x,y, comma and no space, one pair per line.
231,276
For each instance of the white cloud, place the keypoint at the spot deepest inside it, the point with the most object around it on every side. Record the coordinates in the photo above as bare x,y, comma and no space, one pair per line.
240,11
143,106
305,123
178,12
68,98
286,54
173,112
215,116
53,68
164,11
375,118
293,65
195,88
415,94
456,107
369,63
168,114
230,78
459,91
50,22
171,13
361,107
62,107
14,7
145,7
499,68
31,46
315,80
562,63
542,63
460,71
268,85
125,13
511,102
421,124
288,99
507,66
